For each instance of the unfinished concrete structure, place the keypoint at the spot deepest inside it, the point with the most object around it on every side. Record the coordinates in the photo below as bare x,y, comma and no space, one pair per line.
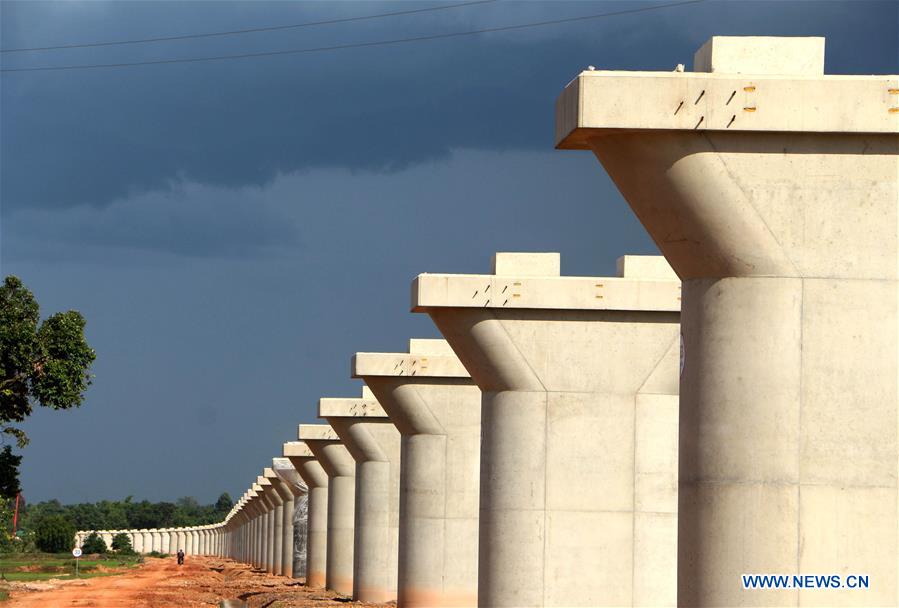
312,472
293,487
436,407
772,190
374,443
341,469
578,426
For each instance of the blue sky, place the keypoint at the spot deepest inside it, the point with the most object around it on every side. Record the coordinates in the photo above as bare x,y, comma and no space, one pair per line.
233,231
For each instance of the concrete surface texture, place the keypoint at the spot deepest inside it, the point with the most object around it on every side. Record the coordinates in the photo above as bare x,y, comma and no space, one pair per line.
374,443
772,189
436,407
578,487
312,472
341,469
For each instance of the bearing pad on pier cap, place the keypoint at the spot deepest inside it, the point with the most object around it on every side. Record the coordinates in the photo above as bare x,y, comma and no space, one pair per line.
773,191
579,426
432,400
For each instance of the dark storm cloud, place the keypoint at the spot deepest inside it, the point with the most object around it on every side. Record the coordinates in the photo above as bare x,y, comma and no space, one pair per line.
92,137
184,218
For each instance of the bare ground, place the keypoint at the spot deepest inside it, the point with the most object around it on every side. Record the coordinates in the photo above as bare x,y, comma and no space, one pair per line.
161,583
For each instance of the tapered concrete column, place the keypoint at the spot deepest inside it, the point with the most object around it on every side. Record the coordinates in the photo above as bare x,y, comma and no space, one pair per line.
106,535
432,400
578,427
137,540
164,540
776,204
290,485
312,472
258,509
276,521
374,443
267,521
341,469
154,540
147,540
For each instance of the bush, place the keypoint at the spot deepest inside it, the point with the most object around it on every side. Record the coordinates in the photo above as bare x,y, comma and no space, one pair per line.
54,534
93,544
121,543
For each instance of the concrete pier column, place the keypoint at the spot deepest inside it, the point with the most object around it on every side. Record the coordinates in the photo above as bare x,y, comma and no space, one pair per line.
312,472
268,504
137,540
106,535
777,208
290,486
341,469
578,487
190,541
154,540
147,540
432,400
275,518
257,509
374,442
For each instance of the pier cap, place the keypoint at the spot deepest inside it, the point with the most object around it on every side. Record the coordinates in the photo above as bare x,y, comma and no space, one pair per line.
746,83
365,406
297,449
644,286
426,358
317,432
289,475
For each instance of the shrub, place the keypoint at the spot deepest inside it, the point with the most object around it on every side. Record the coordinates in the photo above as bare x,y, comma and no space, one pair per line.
93,544
54,534
121,543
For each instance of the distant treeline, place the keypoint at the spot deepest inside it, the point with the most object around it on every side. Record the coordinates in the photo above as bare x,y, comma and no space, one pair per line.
127,514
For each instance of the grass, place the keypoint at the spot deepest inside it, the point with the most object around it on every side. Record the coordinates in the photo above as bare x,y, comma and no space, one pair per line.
44,566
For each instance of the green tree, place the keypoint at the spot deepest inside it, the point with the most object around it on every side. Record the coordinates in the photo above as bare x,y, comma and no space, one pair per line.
121,543
93,544
224,503
45,363
54,534
9,473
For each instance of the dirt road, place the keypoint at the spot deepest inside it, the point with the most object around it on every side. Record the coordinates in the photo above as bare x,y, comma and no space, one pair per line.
161,583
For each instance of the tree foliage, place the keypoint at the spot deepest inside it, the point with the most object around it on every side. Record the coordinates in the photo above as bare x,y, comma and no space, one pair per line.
54,534
9,473
93,544
45,363
125,514
121,543
224,503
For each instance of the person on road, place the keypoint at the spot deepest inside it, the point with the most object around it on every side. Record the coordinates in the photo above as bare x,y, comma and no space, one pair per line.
180,556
